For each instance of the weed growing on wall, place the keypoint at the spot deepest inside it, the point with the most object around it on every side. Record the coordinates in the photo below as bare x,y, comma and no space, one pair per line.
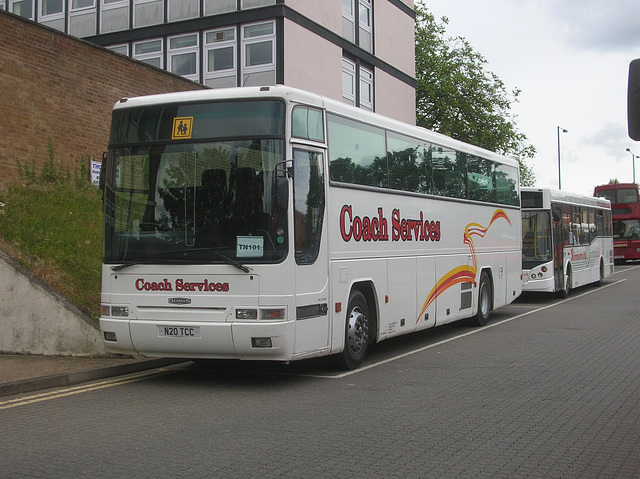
51,222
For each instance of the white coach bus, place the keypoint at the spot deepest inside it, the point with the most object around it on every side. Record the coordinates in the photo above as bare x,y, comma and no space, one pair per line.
271,223
567,240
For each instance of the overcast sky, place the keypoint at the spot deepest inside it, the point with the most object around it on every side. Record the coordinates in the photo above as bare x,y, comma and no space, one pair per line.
571,61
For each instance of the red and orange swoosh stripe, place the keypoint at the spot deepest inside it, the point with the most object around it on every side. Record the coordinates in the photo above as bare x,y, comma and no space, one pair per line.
466,273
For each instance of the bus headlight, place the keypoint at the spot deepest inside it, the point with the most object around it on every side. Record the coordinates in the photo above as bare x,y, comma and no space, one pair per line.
120,311
269,314
246,314
117,311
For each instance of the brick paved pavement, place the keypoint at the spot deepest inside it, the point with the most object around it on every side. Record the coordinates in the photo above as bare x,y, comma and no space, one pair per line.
552,394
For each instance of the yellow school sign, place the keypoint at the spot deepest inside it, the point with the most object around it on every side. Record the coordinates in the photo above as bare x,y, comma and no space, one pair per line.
182,128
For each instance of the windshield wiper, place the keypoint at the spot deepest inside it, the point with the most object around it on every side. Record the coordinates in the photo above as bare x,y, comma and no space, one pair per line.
223,257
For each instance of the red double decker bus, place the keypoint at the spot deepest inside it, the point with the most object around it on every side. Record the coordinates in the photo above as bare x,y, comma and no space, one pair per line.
625,210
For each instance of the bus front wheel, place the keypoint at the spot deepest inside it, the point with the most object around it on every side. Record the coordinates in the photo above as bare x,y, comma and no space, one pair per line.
356,335
564,292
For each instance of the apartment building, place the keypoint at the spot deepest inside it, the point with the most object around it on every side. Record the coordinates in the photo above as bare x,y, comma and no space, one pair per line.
360,51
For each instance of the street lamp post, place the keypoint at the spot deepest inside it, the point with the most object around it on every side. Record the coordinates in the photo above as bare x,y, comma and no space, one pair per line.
563,131
633,159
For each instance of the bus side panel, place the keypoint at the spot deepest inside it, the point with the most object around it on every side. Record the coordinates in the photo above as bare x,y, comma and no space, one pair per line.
426,281
454,296
506,272
514,279
399,317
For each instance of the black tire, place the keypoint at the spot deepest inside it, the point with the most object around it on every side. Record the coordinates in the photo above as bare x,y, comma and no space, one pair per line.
601,278
485,300
356,334
564,292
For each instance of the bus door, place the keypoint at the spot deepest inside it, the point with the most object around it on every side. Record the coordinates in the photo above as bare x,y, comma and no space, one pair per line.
310,251
558,245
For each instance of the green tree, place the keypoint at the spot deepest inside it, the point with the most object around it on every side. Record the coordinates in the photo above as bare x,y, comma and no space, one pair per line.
456,96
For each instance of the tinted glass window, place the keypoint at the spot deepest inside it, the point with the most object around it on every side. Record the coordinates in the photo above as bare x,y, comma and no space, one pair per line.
357,152
208,120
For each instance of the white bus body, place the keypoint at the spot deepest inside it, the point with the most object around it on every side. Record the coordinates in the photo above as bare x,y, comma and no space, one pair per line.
567,240
352,240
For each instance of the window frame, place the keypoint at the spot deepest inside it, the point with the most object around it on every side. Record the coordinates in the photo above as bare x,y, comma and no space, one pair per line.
11,3
169,4
114,48
107,6
246,42
366,78
219,45
349,21
81,9
365,5
47,17
137,3
193,49
143,57
349,69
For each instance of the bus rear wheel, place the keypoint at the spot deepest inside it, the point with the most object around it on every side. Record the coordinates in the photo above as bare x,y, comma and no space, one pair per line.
601,277
484,300
356,335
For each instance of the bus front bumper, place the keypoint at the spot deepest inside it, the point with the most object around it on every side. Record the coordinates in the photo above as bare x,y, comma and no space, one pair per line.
234,340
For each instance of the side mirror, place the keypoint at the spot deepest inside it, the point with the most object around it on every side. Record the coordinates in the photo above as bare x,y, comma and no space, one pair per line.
633,100
280,194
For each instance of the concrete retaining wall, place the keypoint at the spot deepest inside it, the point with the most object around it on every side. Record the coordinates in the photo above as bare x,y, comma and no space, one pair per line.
34,319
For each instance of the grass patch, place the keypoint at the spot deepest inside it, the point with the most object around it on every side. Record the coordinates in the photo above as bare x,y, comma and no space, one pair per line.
53,228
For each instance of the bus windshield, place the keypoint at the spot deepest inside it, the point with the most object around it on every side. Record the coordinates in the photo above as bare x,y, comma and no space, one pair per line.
536,238
626,229
211,200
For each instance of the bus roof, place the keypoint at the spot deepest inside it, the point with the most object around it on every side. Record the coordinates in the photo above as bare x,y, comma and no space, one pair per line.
616,186
295,95
570,198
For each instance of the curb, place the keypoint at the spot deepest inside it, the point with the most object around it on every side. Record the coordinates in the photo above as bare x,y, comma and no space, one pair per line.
78,377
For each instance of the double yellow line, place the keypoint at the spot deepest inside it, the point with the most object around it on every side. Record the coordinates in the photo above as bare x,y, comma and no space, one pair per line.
71,391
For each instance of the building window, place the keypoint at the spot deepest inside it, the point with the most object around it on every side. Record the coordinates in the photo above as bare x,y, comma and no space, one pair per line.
258,54
220,58
24,8
183,56
148,12
121,49
361,76
183,9
82,18
52,14
51,7
213,7
256,3
348,81
348,20
366,89
365,23
114,15
3,5
150,52
362,11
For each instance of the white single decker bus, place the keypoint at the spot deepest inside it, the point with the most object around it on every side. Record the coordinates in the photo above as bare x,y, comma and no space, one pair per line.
274,224
567,240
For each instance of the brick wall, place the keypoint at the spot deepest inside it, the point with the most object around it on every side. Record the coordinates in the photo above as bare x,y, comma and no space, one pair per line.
54,86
